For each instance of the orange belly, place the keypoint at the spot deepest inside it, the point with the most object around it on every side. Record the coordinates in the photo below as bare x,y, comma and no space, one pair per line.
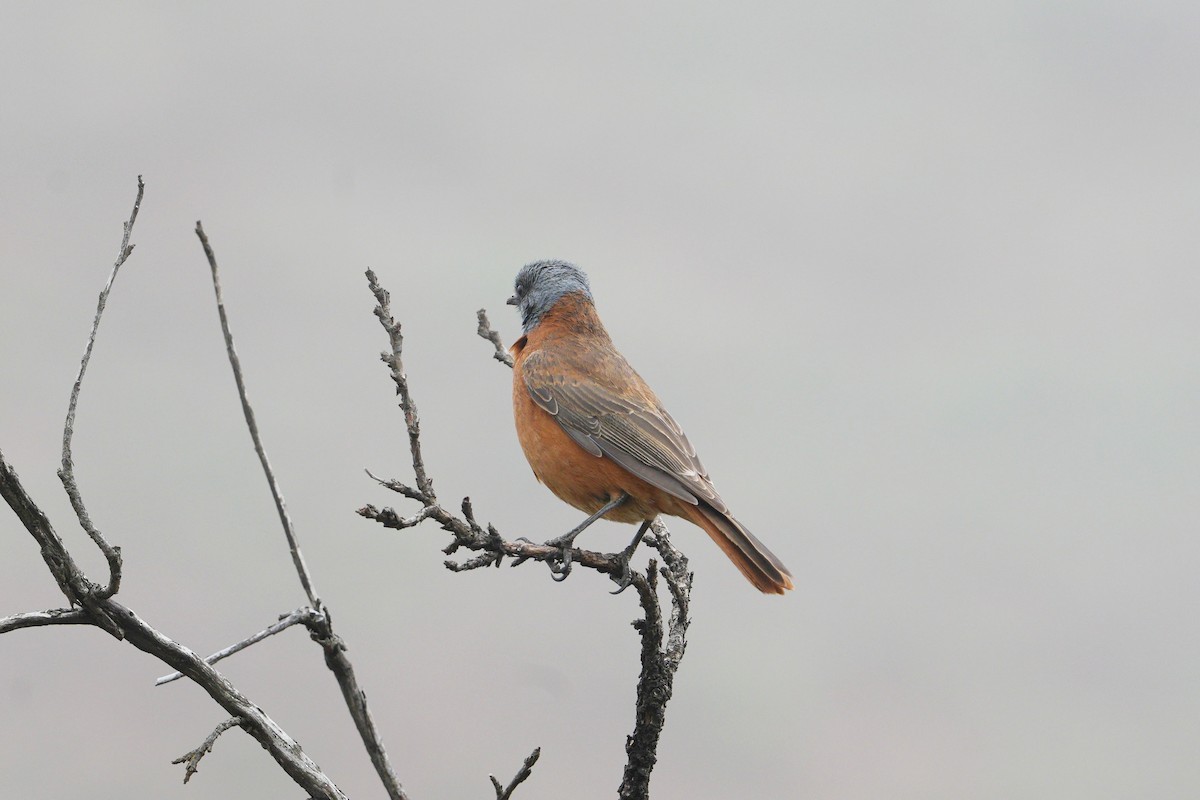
576,476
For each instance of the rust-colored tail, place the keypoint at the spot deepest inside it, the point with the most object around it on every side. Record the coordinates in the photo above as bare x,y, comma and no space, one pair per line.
757,563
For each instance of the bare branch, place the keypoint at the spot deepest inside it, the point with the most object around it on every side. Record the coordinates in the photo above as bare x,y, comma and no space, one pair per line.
99,607
107,612
679,582
67,472
395,362
235,363
67,574
659,664
33,619
319,623
390,519
192,759
397,486
336,660
300,616
282,747
356,700
505,792
487,332
489,541
659,661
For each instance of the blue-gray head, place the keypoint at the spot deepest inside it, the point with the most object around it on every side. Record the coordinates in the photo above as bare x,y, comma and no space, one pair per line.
542,284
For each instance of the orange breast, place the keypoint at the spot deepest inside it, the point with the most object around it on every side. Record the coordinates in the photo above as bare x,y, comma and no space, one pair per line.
576,476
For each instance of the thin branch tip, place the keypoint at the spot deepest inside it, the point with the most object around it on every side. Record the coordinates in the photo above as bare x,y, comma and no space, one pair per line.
486,331
412,419
505,792
191,759
304,616
285,519
66,473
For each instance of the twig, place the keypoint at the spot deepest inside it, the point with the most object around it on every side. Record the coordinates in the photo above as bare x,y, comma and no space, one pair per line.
679,582
107,612
101,609
388,518
659,663
487,332
67,472
395,362
33,619
284,518
192,759
71,580
299,616
396,486
320,628
489,542
319,624
505,792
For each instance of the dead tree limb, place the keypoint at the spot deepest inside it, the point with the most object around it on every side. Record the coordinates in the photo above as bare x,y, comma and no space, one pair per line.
663,636
319,622
67,472
505,792
191,760
301,616
663,644
108,612
95,604
660,660
34,619
247,411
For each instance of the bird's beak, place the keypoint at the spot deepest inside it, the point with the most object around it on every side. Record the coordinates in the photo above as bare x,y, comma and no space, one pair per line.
512,301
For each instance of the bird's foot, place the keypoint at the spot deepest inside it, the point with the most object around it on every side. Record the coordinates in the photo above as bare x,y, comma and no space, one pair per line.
560,562
624,577
560,565
519,560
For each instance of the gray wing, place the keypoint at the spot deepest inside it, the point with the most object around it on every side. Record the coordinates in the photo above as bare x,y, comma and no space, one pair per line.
615,415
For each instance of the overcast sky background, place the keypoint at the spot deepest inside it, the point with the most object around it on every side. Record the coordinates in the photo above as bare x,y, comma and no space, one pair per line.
920,281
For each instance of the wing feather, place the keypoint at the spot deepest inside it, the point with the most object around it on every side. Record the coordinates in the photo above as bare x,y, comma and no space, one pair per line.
615,415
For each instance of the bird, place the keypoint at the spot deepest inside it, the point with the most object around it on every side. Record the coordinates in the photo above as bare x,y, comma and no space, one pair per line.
599,438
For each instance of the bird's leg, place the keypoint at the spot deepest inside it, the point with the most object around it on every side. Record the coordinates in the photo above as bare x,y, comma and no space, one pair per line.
562,569
625,577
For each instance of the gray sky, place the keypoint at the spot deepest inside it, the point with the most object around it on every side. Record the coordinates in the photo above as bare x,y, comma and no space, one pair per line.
920,281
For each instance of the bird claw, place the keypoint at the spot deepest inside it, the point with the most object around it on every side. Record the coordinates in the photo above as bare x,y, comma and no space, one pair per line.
560,562
560,565
519,560
624,578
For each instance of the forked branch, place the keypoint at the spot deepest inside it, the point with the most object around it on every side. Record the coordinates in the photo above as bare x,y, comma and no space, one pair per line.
95,604
317,618
191,760
66,472
663,643
505,792
285,519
